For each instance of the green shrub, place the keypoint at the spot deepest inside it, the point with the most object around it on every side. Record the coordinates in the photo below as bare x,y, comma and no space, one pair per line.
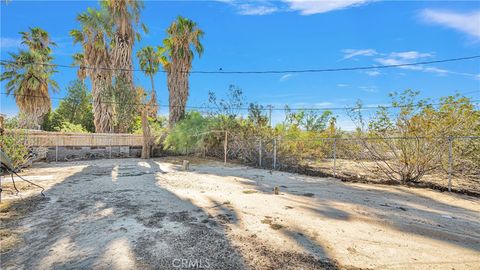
69,127
15,148
187,134
53,121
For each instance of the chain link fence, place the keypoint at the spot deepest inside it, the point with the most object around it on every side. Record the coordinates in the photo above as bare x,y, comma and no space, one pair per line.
443,163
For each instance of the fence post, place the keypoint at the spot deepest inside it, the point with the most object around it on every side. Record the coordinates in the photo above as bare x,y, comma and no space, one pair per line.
110,148
225,148
260,153
56,149
450,161
334,157
270,115
274,153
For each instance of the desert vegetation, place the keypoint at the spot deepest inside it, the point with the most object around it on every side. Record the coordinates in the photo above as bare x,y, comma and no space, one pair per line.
216,179
401,143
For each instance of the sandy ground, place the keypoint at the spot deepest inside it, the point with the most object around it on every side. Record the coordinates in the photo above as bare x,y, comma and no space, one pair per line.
135,214
349,169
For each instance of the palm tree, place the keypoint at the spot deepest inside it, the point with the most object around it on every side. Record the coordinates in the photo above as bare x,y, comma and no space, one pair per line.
28,80
95,63
79,60
149,60
37,39
124,18
183,37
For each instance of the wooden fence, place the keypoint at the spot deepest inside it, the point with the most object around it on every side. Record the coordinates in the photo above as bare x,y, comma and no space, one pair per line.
40,138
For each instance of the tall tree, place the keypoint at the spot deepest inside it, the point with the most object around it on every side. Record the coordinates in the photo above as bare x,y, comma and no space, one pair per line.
149,60
28,80
76,107
37,39
178,52
96,55
124,18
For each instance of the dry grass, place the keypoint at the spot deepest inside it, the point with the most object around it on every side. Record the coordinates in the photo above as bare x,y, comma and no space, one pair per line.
9,240
268,220
369,172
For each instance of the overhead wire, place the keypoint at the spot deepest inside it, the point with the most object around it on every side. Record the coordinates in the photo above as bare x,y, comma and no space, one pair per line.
265,108
221,71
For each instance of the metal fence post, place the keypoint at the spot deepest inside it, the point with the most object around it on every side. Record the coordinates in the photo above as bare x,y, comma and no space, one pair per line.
225,148
450,161
274,153
334,157
260,153
270,115
110,148
56,149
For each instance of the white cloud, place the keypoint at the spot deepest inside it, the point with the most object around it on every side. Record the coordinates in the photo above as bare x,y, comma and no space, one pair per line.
468,23
319,105
351,53
9,42
370,89
286,77
342,85
410,55
305,7
309,7
323,104
372,73
393,58
253,9
438,71
395,61
400,58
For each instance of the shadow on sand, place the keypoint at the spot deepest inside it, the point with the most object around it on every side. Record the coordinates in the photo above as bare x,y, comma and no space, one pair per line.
118,217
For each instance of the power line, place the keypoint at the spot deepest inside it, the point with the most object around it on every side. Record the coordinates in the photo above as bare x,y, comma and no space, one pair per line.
267,108
260,72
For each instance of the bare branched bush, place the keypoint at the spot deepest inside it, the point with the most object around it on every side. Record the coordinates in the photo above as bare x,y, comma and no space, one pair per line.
414,141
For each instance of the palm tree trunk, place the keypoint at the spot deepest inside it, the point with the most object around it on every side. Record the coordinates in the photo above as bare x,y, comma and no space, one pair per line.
103,108
153,106
122,58
178,93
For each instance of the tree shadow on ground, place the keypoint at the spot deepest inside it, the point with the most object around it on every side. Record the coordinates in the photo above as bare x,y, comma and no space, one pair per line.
118,217
398,208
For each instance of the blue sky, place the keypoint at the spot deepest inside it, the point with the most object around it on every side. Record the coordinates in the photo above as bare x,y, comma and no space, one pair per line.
289,35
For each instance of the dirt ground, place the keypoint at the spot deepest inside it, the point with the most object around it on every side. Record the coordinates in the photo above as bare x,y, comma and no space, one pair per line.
137,214
368,170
